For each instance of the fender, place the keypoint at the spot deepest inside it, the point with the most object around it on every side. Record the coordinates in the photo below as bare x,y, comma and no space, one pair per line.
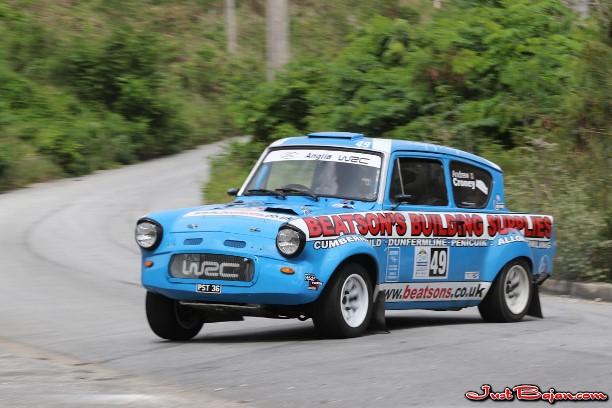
505,248
326,260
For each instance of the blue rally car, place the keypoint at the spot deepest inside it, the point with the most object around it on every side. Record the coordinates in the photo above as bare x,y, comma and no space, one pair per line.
339,227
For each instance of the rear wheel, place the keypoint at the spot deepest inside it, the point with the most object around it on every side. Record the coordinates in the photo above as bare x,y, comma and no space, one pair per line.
345,307
510,294
170,320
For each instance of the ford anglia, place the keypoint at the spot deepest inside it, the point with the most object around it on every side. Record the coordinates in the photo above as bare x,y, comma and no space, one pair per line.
339,227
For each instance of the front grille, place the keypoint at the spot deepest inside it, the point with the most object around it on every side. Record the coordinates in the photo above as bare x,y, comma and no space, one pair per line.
212,267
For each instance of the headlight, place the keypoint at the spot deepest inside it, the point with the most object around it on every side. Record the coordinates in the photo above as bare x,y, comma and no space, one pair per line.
290,241
148,234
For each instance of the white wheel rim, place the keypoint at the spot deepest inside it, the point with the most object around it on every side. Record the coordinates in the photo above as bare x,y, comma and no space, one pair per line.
516,289
354,300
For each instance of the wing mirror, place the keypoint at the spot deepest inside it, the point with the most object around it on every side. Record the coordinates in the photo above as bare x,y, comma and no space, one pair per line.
401,199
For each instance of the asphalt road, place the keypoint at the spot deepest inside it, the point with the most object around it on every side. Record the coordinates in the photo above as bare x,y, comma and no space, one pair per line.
73,330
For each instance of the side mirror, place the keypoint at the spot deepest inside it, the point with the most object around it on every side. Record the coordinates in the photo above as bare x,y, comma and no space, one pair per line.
233,192
401,199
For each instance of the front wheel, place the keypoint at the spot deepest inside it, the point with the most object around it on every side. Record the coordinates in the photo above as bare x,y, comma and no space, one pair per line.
509,298
170,320
345,307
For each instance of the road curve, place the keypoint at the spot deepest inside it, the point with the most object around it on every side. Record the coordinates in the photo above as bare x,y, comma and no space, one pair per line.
73,330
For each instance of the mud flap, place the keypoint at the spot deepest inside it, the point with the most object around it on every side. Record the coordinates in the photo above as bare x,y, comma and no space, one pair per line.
535,309
378,322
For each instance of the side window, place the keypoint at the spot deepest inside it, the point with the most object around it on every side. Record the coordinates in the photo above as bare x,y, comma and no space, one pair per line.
421,179
471,185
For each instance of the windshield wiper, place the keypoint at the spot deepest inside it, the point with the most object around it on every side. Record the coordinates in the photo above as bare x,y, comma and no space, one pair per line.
306,191
267,191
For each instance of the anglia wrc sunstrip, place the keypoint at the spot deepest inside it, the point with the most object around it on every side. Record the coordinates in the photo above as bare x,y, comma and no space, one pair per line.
339,227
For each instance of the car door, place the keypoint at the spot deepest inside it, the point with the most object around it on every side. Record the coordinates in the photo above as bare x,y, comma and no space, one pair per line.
418,191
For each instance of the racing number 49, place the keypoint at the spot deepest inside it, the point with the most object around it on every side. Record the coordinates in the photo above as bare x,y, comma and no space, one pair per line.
438,263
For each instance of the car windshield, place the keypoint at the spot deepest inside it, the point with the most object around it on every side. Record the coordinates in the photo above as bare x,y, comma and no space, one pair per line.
317,172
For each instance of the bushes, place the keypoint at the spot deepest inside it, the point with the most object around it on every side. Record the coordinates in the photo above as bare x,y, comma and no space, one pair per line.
495,74
276,106
517,81
121,73
45,125
93,100
553,179
93,84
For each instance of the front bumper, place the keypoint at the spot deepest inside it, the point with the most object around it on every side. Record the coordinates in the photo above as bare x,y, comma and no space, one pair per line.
268,285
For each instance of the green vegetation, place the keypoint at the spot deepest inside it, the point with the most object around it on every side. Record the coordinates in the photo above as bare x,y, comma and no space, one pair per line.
524,83
95,84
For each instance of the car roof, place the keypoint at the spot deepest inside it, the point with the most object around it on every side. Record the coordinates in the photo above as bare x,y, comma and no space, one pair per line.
358,140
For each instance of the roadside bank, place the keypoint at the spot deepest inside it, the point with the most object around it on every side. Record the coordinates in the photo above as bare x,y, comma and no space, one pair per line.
600,292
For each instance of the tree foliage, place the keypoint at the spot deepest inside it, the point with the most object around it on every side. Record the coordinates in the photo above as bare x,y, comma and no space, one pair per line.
498,73
93,84
525,83
105,94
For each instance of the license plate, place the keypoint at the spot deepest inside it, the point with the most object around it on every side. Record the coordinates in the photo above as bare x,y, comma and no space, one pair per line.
208,288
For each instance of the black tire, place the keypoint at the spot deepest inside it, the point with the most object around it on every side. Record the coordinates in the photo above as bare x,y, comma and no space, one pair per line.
170,320
345,306
510,294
